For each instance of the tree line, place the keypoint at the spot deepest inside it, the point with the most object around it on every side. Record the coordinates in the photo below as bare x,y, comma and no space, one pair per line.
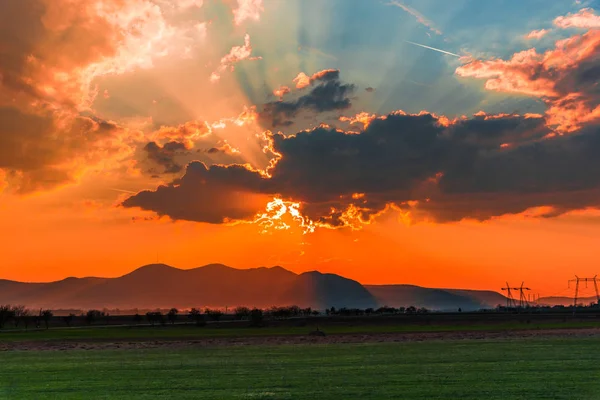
21,317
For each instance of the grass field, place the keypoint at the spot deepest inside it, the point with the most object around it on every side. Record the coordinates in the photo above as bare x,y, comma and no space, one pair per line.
191,331
471,369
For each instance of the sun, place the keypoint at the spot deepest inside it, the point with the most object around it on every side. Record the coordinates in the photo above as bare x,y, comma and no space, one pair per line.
280,215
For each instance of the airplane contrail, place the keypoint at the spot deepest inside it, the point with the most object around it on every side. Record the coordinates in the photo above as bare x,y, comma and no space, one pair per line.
433,48
122,190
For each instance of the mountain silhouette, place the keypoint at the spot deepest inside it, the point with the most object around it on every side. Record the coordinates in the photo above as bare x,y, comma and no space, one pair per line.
328,290
217,285
435,299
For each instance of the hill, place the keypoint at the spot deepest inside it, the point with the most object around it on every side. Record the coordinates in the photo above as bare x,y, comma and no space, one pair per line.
564,301
328,290
435,299
217,285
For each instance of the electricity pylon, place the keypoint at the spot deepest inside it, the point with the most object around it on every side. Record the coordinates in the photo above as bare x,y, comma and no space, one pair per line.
510,300
586,280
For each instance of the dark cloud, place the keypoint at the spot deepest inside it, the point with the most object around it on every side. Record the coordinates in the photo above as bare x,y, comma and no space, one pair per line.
326,94
165,155
476,168
207,194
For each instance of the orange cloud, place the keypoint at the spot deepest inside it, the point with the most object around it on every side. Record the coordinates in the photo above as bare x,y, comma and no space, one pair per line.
557,76
538,34
302,80
281,91
584,18
235,55
186,133
363,118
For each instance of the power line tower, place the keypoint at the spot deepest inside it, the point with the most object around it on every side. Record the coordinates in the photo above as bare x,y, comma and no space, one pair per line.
586,280
510,300
523,298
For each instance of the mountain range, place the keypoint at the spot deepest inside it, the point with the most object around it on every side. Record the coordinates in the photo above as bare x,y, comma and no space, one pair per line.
217,285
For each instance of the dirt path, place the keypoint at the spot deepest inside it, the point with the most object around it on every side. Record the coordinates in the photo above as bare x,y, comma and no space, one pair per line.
78,344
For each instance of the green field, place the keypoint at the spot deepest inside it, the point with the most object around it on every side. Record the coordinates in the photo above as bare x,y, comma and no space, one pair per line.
525,369
191,331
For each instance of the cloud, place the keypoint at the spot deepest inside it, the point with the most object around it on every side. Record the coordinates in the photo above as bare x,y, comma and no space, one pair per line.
48,149
213,194
363,118
418,163
235,55
584,18
187,133
302,80
329,94
247,10
418,16
165,155
281,91
224,148
538,34
564,78
65,45
51,54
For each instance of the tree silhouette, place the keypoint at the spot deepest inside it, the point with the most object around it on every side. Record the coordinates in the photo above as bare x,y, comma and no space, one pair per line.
68,319
17,314
241,312
215,315
155,316
196,316
172,315
92,315
150,317
6,314
26,318
46,315
256,317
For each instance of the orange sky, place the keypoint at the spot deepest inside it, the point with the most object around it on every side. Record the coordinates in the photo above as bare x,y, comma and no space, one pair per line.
87,88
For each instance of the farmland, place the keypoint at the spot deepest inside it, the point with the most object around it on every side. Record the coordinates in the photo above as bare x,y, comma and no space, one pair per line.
441,357
532,368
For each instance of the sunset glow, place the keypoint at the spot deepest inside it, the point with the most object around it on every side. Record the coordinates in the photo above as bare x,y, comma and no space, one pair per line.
419,142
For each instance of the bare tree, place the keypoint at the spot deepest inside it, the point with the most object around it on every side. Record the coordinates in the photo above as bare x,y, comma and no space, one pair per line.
17,314
26,317
46,315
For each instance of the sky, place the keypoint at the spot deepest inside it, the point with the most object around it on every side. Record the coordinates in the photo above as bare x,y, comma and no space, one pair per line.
437,143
